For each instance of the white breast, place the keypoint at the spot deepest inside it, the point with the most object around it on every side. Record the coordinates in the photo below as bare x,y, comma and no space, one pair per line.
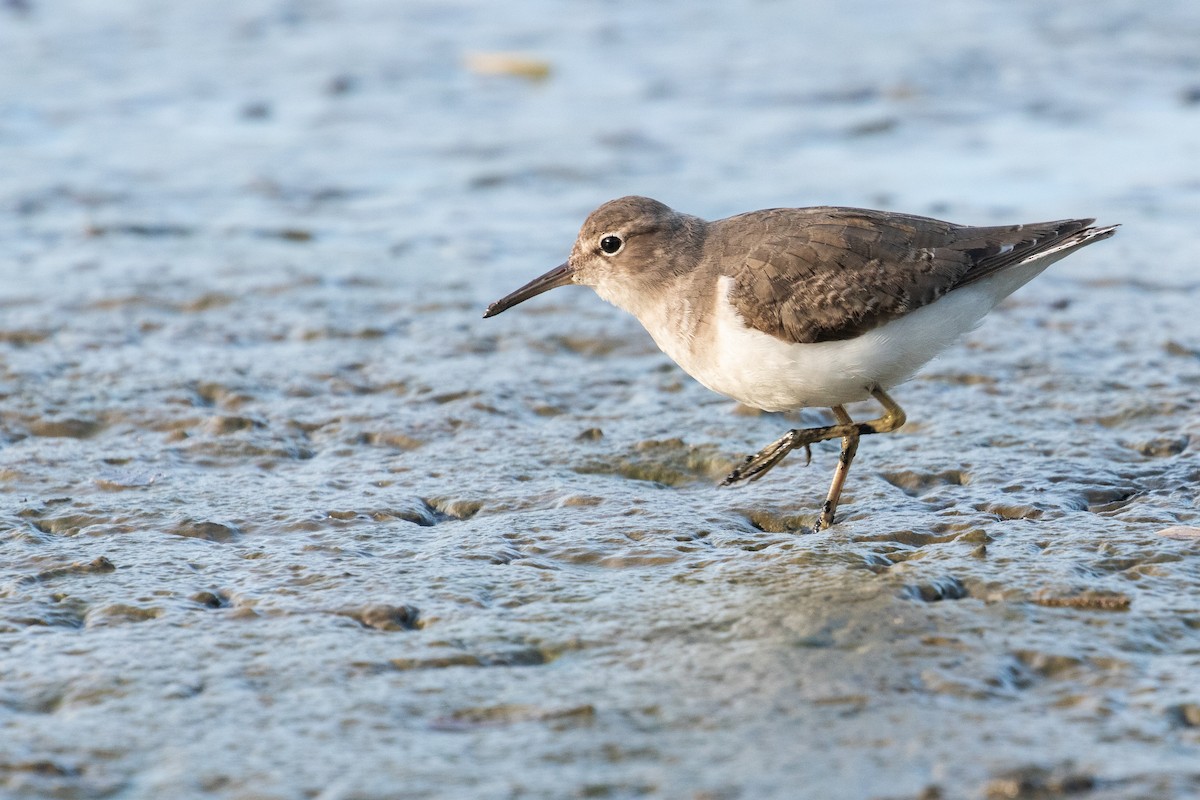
723,353
765,372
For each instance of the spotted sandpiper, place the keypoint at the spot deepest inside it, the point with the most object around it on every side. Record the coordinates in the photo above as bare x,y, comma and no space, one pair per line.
791,308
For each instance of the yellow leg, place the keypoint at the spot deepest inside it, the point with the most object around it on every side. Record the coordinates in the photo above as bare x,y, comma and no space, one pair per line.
846,429
849,448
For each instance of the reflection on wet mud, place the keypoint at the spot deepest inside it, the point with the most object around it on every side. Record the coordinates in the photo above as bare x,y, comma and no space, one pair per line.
281,516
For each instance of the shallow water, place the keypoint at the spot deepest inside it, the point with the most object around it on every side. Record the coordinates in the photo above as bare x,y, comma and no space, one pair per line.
283,517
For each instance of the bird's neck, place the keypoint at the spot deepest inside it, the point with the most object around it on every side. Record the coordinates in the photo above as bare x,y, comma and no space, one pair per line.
662,295
665,308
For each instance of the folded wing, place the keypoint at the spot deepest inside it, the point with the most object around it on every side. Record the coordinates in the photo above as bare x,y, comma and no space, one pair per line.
826,274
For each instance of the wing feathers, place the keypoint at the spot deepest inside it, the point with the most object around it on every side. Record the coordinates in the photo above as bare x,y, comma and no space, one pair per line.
823,274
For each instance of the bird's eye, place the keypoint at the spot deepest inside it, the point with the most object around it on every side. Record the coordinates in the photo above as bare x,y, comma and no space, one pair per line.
611,244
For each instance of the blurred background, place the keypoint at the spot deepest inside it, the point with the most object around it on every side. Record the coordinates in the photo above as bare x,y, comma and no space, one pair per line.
392,126
282,517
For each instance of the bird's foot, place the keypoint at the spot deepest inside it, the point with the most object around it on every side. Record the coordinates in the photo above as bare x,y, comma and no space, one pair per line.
825,521
759,464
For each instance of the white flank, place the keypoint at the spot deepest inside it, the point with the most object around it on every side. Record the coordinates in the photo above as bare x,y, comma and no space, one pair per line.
762,371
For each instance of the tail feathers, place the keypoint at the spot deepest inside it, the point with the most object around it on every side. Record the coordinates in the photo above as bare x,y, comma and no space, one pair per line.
1003,281
1072,242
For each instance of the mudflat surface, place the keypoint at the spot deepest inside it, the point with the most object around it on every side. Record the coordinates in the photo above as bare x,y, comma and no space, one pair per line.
282,517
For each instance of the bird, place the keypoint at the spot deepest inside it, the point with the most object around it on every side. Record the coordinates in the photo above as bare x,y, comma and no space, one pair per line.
789,308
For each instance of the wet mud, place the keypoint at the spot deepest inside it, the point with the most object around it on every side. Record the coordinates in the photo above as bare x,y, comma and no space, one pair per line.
281,516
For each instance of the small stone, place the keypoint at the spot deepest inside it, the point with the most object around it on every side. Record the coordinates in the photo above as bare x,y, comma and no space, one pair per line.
387,618
1090,600
1185,715
944,588
207,530
341,84
1035,783
455,509
514,65
257,110
1180,532
99,564
873,127
772,522
209,599
224,425
1163,447
1174,348
70,428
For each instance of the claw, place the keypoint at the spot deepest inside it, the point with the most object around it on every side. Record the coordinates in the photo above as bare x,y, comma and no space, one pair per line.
846,429
759,464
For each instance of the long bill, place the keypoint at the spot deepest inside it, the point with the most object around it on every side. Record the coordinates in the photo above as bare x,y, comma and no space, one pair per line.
561,275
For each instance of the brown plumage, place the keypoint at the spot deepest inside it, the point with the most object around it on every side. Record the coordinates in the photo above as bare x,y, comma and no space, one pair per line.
795,307
827,274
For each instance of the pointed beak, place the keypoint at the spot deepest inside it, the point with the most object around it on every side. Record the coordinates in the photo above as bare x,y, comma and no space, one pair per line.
561,275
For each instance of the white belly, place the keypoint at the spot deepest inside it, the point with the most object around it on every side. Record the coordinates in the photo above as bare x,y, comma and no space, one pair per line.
757,369
764,372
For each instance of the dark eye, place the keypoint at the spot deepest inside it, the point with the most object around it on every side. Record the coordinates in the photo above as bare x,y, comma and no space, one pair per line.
611,244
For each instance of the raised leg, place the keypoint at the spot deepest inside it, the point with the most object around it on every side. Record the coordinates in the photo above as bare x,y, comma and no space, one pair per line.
846,429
